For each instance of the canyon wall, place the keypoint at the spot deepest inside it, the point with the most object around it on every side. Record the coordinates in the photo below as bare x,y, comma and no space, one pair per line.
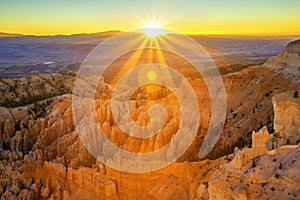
42,156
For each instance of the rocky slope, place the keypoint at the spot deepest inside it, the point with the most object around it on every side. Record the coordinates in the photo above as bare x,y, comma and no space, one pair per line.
257,173
42,156
288,61
26,90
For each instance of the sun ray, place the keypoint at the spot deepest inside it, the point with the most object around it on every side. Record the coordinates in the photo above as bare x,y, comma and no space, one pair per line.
162,59
131,62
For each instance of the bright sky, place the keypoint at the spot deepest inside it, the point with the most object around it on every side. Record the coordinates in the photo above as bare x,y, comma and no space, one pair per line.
43,17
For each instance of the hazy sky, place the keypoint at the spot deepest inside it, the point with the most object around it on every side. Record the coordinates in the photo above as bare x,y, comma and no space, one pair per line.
44,17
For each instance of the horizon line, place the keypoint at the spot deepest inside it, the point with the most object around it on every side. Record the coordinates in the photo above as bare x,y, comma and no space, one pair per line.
116,30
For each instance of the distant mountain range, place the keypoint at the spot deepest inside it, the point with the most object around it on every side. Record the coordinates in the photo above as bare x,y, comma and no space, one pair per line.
111,32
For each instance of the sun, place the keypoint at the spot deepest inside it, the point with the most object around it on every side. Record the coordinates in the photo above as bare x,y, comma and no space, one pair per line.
153,29
153,25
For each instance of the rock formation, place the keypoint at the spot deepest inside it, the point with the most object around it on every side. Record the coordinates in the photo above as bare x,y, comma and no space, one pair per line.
287,115
259,148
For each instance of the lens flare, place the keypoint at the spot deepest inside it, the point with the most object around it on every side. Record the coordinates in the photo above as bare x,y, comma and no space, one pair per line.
151,75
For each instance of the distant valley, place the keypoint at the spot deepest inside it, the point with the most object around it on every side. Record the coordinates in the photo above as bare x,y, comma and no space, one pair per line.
25,55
